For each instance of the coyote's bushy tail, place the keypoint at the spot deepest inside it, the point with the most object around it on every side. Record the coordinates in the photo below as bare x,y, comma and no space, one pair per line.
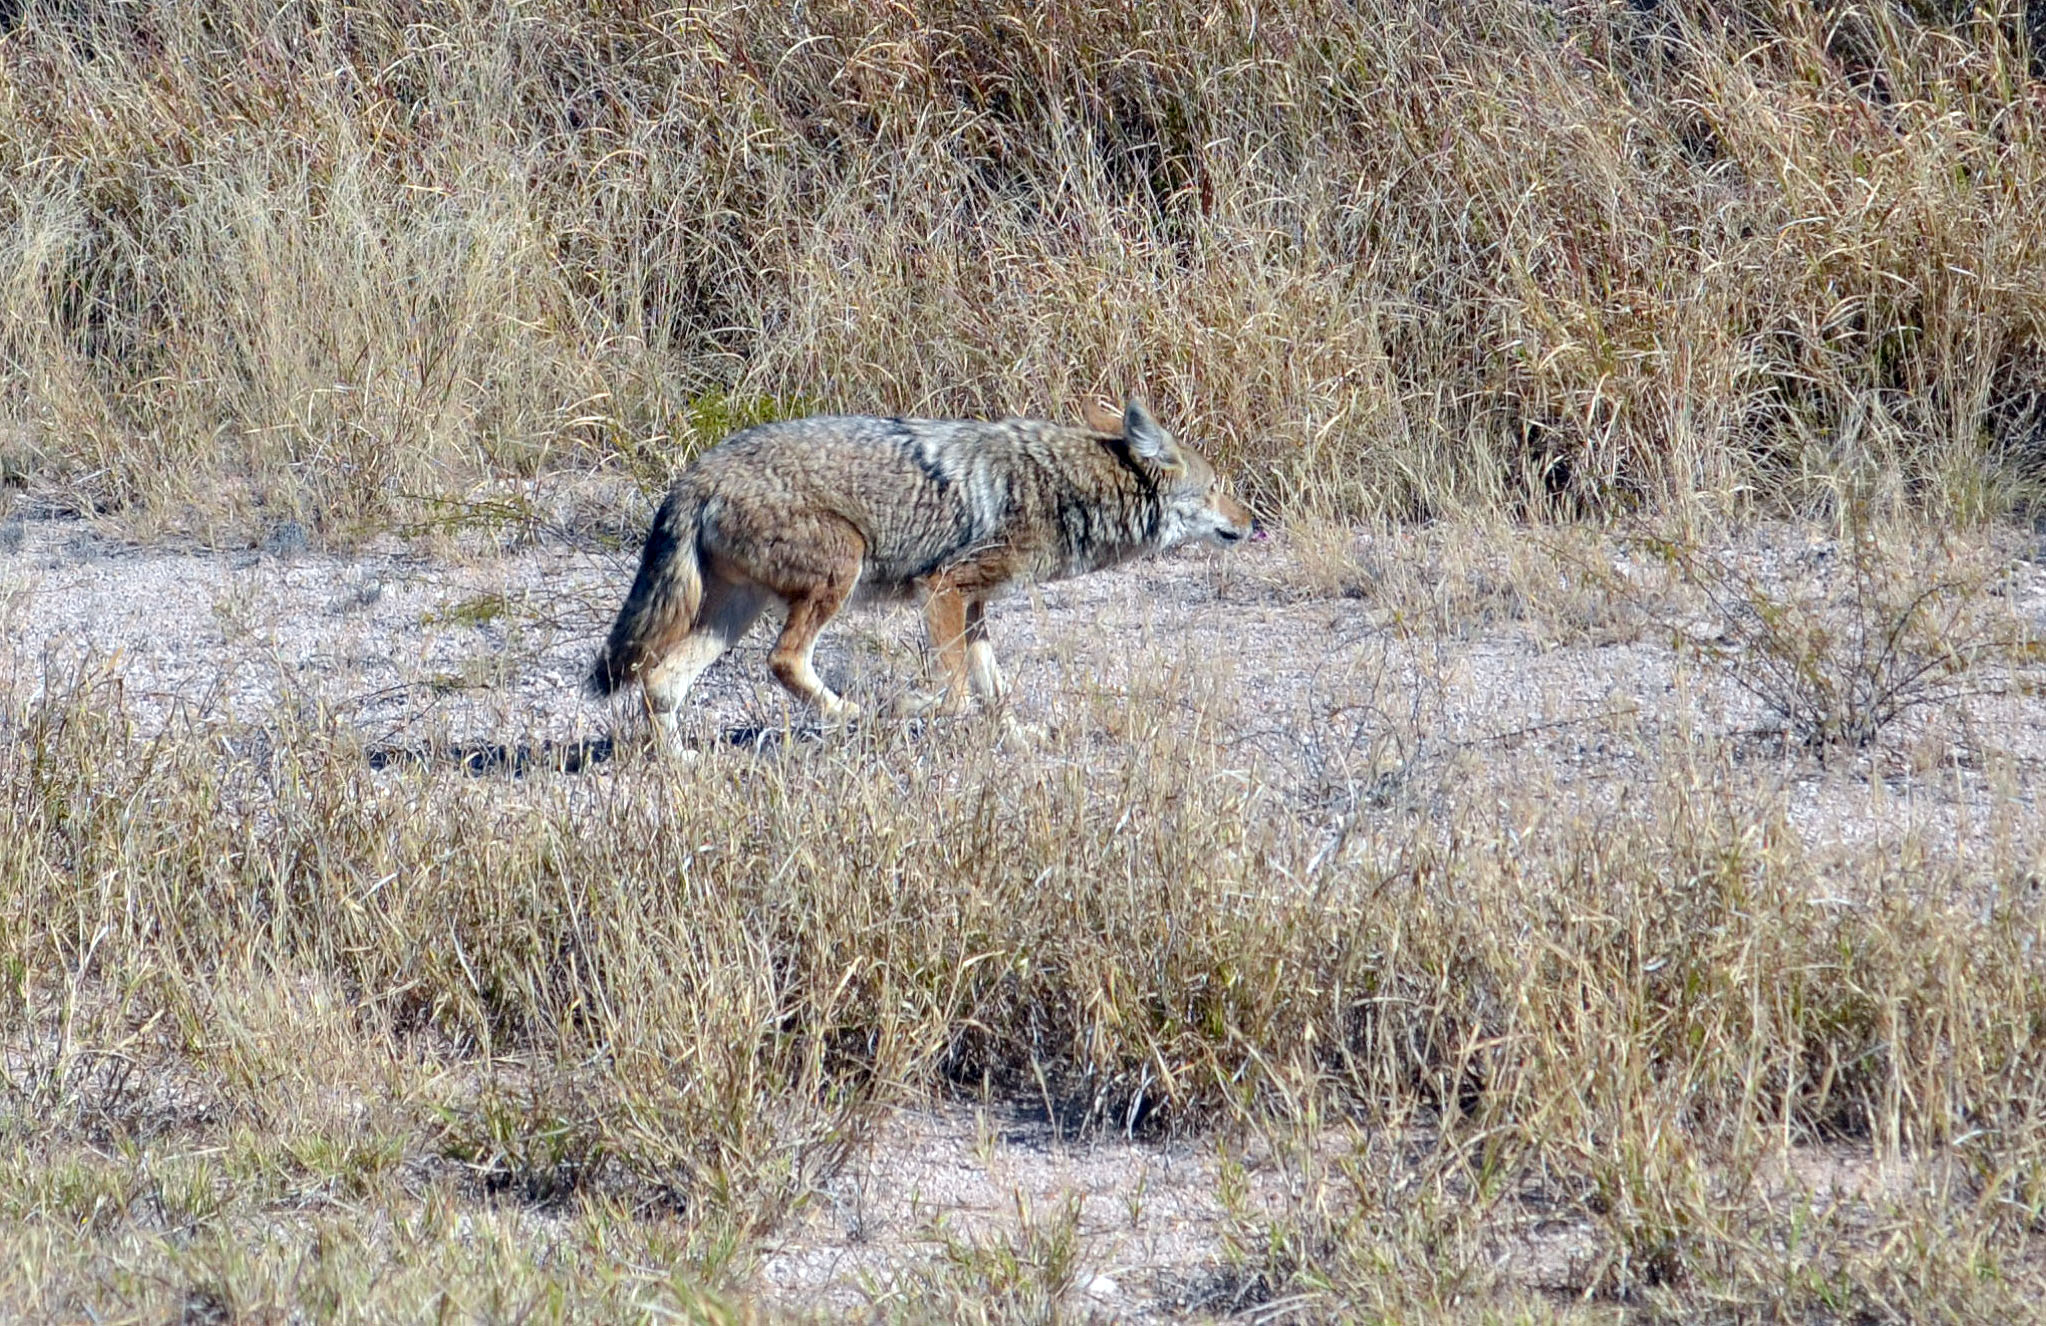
664,600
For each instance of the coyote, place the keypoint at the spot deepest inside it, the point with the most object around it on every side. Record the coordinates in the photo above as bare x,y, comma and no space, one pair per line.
808,511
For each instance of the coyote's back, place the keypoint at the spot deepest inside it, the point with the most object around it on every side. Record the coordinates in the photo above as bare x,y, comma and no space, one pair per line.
810,512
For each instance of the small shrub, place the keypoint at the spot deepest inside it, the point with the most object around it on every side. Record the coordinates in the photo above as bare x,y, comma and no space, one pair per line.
1854,638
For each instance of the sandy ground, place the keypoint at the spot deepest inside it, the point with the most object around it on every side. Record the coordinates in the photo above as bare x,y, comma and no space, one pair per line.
1500,679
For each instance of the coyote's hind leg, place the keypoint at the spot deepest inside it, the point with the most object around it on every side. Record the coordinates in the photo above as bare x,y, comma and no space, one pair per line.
815,590
729,608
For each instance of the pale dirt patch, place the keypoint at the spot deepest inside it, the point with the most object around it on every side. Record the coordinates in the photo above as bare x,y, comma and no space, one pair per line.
933,1184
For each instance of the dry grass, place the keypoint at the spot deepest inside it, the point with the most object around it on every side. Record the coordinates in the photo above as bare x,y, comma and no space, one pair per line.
285,1031
318,262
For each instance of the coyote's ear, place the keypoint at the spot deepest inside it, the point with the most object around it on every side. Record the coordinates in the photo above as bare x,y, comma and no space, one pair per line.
1147,440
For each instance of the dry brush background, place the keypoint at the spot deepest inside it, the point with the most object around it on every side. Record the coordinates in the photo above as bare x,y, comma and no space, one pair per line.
315,259
1616,899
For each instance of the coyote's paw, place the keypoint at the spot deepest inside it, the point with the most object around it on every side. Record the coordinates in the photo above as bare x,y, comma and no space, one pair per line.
665,743
1017,734
912,704
941,704
839,712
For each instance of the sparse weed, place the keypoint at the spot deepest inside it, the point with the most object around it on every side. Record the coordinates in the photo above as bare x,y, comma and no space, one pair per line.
1854,634
364,591
476,610
236,608
1024,1272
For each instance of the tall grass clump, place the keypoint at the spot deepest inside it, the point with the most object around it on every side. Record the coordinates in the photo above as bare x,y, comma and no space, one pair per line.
317,259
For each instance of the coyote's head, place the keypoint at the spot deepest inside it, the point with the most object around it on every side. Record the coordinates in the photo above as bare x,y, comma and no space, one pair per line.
1195,502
